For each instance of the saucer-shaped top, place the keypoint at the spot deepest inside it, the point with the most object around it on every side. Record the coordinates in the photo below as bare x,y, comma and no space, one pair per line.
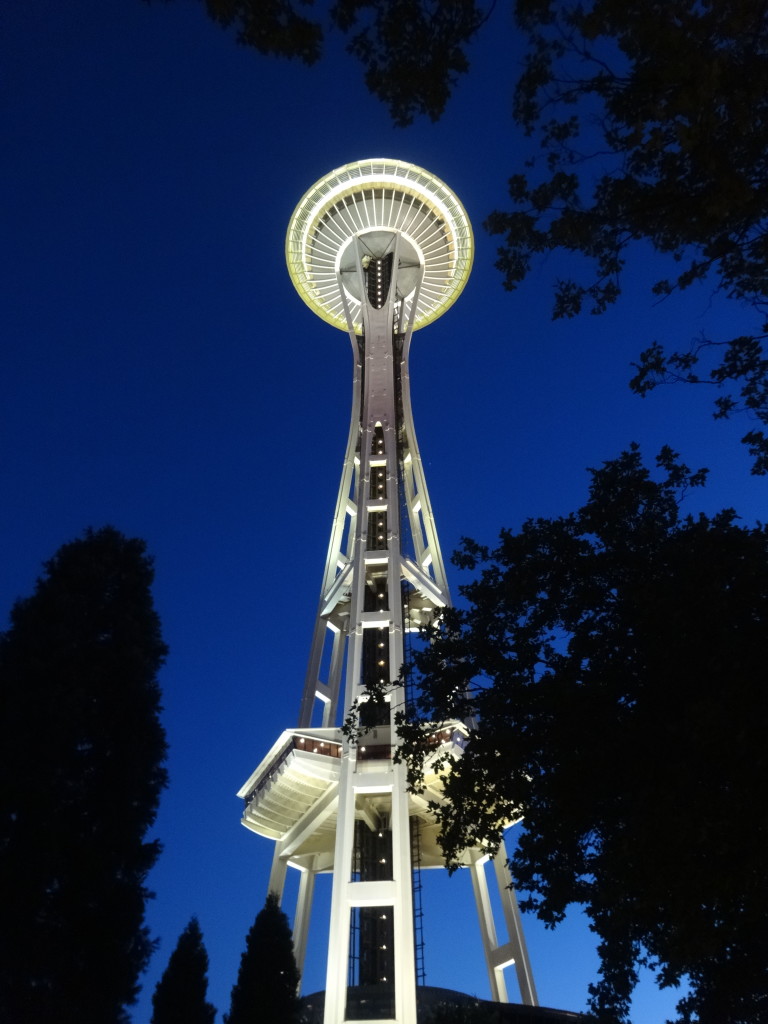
374,199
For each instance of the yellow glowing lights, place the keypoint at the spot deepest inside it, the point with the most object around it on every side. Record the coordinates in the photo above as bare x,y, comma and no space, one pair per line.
370,196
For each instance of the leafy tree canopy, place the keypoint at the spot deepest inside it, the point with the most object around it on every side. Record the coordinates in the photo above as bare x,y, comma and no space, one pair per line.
268,979
179,997
81,771
652,118
615,660
413,51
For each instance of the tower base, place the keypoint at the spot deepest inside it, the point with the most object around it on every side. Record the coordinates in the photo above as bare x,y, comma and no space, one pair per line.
431,999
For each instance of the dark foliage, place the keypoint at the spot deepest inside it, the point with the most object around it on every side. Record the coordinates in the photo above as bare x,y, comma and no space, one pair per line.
653,123
413,51
179,997
277,27
81,771
268,979
615,659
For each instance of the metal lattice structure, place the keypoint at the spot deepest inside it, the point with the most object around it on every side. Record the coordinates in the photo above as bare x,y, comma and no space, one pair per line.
377,248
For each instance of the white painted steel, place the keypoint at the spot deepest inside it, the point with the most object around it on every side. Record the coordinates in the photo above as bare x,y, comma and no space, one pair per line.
369,196
517,941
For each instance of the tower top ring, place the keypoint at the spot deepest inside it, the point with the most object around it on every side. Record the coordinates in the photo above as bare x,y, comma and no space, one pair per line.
366,198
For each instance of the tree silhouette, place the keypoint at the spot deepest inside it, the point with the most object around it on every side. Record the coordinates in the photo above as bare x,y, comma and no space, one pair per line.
652,120
81,771
413,51
179,997
615,661
268,977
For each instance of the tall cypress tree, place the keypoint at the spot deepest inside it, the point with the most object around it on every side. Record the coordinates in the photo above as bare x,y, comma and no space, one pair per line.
81,771
268,978
179,997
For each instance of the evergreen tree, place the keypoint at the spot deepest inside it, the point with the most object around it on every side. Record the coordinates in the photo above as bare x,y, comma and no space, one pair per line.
81,772
179,997
265,991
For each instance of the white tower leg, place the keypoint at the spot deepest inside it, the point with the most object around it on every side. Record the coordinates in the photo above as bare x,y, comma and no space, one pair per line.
517,941
303,910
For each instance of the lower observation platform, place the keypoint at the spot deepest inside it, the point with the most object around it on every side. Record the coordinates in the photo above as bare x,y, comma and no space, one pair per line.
292,796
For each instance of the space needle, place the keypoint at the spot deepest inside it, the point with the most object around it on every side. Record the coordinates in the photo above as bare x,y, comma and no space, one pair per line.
378,248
